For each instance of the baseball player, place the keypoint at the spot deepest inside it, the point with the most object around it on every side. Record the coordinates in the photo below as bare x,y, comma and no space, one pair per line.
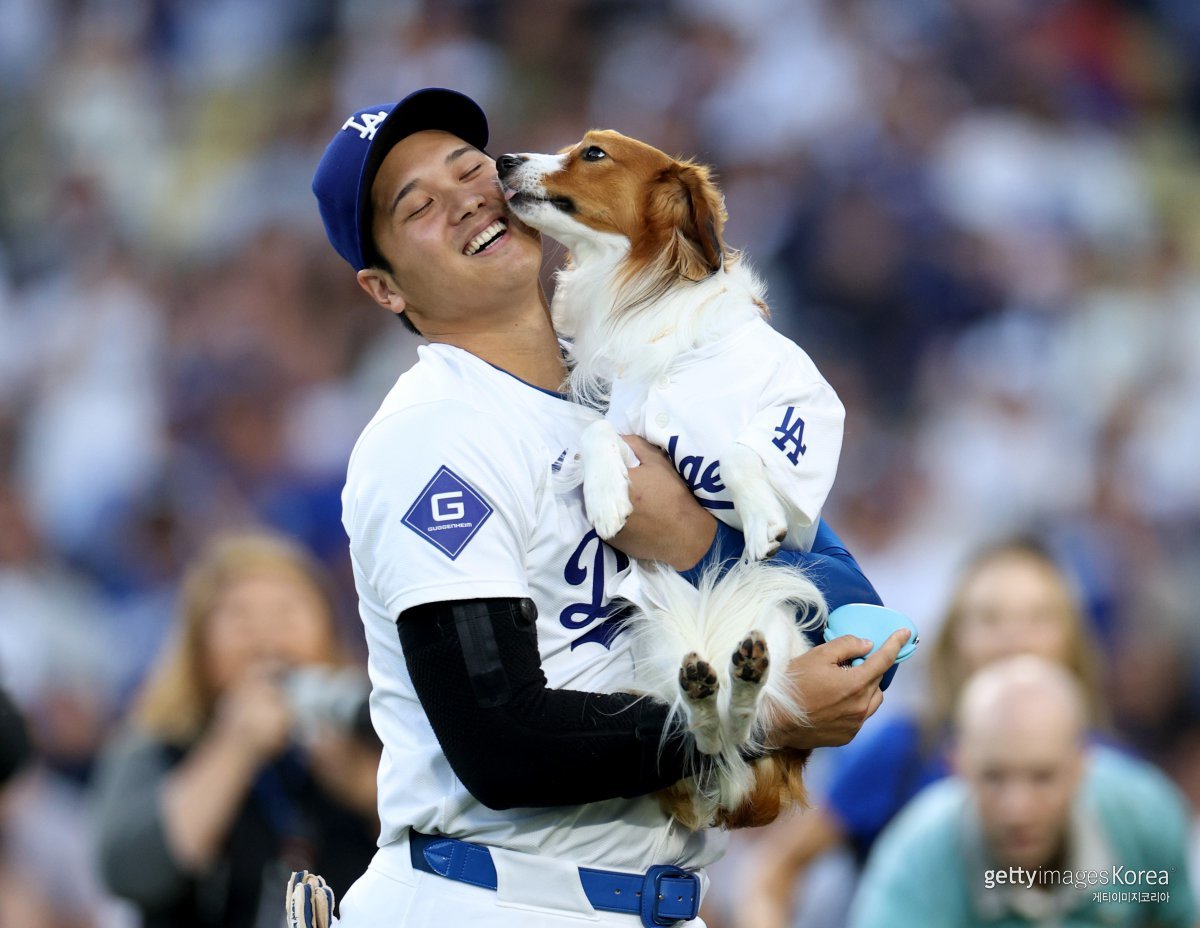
511,791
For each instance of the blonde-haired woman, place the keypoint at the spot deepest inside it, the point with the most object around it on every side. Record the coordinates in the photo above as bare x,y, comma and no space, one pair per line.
1010,599
207,800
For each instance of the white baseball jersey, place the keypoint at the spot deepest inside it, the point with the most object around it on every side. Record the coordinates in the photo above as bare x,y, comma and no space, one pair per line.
454,492
753,386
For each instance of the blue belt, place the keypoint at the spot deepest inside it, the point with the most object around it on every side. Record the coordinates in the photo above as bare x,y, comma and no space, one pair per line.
664,896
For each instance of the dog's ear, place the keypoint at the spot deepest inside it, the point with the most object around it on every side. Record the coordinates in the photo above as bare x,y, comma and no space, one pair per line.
706,214
692,211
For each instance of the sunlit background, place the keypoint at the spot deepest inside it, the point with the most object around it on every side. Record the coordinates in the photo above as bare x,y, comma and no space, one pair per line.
980,217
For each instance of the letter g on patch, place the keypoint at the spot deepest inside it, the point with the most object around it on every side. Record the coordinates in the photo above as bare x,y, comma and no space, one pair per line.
448,512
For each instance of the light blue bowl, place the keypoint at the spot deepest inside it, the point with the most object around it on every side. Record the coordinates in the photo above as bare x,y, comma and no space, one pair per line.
874,623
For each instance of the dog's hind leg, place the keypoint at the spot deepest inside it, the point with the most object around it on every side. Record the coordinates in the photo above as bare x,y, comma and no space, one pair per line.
749,667
699,683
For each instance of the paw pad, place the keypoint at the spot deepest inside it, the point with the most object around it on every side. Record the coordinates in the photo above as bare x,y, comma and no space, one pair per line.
752,659
697,678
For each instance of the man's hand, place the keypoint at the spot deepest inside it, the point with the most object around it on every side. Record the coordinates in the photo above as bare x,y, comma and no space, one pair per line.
667,524
838,698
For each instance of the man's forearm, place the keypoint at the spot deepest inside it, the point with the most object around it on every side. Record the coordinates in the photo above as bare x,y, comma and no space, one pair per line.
667,523
511,739
829,565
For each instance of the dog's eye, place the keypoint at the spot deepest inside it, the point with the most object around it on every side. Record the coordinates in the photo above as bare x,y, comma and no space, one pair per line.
592,153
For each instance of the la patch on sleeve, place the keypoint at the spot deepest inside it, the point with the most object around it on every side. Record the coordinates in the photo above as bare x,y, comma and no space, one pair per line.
448,513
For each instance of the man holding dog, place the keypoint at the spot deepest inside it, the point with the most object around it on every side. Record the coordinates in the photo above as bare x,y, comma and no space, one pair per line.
515,782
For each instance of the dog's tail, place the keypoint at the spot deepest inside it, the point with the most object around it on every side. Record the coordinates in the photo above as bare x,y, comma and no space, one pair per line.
778,787
713,619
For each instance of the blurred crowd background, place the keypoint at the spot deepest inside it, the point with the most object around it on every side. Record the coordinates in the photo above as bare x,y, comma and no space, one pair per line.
980,217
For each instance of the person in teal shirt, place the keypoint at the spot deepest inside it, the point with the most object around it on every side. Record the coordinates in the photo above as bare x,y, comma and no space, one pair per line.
1036,827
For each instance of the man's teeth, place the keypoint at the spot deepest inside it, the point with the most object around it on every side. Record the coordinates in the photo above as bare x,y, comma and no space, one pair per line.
485,237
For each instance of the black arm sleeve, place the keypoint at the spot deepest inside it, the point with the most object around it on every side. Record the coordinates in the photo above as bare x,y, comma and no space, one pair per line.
513,741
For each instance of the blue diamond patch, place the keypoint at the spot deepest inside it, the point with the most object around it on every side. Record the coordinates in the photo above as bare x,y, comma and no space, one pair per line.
448,513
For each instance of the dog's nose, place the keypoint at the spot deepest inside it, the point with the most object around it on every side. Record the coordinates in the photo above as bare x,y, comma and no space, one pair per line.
506,164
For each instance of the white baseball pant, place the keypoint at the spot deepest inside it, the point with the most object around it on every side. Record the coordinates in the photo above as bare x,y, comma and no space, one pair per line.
532,892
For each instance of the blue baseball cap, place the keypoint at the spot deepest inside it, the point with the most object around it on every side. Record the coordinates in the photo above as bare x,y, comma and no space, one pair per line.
348,167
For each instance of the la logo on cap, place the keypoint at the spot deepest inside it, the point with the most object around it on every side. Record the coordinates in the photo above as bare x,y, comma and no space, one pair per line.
369,125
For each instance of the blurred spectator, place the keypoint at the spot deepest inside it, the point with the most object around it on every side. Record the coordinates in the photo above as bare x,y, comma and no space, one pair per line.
15,753
1012,598
15,748
222,785
1032,822
62,673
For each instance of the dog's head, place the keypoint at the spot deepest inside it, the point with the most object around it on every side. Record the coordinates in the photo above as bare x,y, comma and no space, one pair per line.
610,191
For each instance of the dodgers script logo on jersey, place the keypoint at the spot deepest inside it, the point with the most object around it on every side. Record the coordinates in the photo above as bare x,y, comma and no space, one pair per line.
700,476
448,513
590,559
703,477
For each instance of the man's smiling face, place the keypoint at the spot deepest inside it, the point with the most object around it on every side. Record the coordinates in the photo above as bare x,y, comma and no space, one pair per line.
439,219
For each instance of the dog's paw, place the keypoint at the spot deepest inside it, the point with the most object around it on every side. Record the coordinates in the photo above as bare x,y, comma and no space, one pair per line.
607,511
764,533
697,678
606,479
751,661
764,520
748,670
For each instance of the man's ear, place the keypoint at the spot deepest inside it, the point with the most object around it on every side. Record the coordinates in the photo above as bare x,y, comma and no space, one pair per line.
382,288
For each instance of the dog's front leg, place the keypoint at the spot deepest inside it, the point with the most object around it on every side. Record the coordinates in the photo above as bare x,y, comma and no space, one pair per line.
606,462
764,519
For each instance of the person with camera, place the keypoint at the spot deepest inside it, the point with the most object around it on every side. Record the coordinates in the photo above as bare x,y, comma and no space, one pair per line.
246,756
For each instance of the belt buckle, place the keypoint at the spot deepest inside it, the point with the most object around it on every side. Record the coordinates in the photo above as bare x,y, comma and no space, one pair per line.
652,895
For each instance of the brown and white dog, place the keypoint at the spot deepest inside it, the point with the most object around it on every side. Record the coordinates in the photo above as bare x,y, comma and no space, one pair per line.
669,335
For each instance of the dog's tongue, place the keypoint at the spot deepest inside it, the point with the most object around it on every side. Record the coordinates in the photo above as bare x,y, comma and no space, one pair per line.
509,194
